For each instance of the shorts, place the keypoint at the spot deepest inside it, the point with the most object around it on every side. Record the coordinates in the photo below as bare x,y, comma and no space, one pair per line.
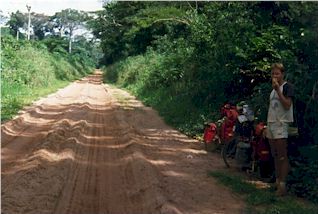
277,130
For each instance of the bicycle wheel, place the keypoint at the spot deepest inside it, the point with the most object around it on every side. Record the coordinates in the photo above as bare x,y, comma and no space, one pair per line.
228,153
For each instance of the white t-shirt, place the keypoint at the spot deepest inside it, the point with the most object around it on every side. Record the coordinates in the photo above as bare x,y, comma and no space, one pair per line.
276,110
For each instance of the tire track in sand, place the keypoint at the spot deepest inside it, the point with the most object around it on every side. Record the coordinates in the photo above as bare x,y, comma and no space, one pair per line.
26,163
104,155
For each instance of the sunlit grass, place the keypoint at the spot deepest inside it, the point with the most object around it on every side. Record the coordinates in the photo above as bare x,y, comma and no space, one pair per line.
15,96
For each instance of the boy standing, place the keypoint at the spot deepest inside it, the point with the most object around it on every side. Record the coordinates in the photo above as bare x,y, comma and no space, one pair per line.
280,114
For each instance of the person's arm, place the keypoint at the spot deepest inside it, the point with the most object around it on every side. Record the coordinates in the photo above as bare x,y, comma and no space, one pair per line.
286,101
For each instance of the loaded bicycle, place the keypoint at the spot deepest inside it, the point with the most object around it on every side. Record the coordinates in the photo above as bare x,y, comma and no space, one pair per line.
244,145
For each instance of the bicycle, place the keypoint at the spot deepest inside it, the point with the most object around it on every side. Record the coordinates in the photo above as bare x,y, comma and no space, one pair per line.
251,154
221,131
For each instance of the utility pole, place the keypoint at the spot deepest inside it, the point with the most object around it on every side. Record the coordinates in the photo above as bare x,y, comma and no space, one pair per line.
29,22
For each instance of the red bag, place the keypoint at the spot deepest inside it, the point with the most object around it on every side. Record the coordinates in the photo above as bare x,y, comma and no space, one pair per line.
230,113
209,133
263,149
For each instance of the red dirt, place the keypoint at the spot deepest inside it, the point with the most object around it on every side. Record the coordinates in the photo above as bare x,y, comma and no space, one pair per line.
91,148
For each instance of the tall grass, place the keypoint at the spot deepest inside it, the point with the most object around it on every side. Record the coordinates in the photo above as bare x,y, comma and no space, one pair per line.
16,96
29,71
159,83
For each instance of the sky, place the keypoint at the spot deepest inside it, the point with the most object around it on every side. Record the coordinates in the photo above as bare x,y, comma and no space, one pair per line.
49,7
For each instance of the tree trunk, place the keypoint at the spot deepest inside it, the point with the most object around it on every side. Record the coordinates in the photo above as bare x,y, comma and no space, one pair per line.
70,45
70,41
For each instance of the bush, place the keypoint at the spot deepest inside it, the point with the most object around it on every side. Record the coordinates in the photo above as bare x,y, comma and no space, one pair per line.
29,66
155,79
303,178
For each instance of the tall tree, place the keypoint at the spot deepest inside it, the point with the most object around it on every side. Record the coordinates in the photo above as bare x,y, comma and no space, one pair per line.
17,20
111,25
67,21
40,24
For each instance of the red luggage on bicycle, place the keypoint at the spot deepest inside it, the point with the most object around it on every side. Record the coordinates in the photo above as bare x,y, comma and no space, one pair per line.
230,113
210,132
263,150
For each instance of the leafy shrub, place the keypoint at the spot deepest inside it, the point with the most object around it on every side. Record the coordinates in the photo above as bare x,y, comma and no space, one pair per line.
29,66
303,177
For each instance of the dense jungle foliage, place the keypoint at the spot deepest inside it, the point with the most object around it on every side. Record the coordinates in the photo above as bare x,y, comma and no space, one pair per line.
187,58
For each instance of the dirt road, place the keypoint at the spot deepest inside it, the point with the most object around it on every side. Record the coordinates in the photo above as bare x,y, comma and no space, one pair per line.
94,149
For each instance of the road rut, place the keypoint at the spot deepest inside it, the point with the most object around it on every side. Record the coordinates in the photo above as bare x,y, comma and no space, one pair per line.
92,148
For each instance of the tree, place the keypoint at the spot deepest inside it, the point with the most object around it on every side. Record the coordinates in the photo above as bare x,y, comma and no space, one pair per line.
67,21
17,20
128,28
40,24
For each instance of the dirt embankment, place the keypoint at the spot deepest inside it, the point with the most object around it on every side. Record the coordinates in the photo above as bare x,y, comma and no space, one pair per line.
91,148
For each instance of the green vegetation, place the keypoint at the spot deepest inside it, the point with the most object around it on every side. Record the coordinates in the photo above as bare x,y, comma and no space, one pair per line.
16,96
175,105
187,58
30,70
52,58
263,201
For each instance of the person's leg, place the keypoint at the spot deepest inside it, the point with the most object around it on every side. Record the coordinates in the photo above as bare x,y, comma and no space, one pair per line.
270,131
283,163
273,145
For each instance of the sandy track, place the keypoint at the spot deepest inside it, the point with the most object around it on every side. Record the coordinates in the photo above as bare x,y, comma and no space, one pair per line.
91,148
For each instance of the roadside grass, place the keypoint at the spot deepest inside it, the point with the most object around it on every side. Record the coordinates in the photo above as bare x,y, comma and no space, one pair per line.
31,70
121,99
180,111
191,125
15,96
263,201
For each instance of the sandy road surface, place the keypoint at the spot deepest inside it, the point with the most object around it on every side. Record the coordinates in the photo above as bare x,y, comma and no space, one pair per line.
93,149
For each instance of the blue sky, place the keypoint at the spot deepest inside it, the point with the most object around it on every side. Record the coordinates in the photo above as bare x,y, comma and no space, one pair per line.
49,7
